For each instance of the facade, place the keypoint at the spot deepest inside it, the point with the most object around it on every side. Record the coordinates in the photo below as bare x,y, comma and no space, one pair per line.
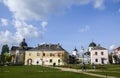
97,54
45,54
116,52
18,52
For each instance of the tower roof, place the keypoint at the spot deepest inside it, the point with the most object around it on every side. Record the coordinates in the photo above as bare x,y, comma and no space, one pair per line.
75,49
23,43
92,44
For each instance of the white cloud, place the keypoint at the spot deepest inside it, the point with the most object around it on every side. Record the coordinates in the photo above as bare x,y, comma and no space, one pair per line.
85,29
4,22
40,9
44,24
23,30
5,37
99,4
112,47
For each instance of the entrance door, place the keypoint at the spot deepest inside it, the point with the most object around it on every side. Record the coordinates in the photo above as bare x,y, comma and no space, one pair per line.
29,62
102,60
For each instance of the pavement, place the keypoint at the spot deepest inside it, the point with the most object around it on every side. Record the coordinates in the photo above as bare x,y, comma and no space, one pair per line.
84,72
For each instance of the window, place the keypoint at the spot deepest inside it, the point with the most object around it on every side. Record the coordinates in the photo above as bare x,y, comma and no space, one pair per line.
96,53
96,60
43,54
38,54
29,54
51,54
58,54
58,60
102,53
37,62
50,60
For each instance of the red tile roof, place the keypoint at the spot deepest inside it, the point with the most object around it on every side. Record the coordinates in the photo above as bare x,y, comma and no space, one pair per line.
118,48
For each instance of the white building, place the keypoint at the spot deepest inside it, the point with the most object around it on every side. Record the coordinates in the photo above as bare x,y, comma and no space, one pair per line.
75,53
116,52
97,54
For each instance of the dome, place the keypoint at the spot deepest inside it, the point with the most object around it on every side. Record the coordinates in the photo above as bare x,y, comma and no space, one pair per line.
23,43
92,44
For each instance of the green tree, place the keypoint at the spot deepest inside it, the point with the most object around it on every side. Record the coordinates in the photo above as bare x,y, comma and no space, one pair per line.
65,58
5,50
8,58
115,58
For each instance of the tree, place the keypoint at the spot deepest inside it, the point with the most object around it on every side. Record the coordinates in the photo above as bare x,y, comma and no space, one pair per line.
5,50
115,58
8,58
65,58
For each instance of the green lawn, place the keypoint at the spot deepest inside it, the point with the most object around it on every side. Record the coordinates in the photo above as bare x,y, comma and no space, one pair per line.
37,72
109,70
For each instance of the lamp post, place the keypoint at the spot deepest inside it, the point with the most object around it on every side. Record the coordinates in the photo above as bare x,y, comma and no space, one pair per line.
83,65
82,49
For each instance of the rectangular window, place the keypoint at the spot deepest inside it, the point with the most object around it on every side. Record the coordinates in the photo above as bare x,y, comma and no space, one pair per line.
43,54
50,60
29,54
102,53
58,54
38,54
58,60
51,54
96,60
96,53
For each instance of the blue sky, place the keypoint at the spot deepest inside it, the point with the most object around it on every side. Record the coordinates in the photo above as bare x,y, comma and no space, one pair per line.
72,23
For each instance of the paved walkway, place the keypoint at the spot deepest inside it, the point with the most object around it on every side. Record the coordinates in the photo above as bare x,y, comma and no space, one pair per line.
84,72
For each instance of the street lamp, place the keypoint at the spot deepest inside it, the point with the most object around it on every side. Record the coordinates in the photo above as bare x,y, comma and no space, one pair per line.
82,49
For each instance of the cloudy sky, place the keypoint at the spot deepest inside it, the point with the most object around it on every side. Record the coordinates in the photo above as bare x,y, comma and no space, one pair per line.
72,23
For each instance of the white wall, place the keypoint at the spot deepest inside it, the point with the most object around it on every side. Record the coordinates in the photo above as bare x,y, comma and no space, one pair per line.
99,56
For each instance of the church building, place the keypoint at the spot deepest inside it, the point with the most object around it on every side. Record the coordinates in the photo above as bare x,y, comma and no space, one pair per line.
18,52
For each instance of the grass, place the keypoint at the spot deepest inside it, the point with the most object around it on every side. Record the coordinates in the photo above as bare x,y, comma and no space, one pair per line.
37,72
107,70
108,73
